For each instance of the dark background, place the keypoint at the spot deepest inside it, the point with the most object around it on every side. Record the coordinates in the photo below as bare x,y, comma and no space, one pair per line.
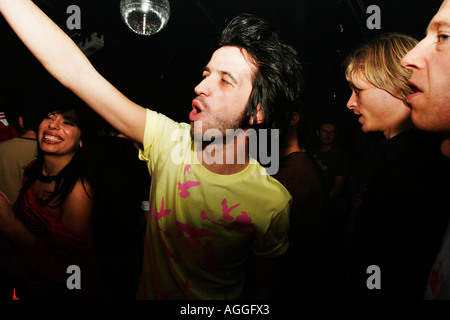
161,71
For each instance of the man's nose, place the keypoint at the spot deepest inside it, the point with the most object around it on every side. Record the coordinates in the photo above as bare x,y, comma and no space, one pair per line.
414,59
352,102
203,88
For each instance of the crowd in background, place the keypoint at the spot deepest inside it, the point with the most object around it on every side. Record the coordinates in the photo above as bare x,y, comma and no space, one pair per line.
340,207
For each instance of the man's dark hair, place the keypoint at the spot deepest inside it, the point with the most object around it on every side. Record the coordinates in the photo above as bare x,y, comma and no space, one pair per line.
277,83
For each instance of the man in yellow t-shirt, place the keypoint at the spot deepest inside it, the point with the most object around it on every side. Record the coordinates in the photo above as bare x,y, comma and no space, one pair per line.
203,225
211,203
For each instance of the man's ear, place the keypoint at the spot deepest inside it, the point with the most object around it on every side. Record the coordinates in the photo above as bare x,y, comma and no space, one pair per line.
295,118
259,116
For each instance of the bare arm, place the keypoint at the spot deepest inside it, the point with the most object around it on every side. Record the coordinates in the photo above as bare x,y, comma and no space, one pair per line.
67,63
12,226
76,213
77,208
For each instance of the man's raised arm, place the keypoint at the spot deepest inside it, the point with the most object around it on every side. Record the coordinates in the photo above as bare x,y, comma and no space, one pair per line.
68,64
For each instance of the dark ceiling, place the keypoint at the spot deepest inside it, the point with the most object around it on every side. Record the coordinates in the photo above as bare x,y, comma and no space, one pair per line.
160,71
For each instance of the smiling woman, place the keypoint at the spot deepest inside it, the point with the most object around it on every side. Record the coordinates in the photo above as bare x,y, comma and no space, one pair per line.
51,221
59,134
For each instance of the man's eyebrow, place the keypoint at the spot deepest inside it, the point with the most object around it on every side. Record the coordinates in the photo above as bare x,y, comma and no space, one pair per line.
222,72
436,24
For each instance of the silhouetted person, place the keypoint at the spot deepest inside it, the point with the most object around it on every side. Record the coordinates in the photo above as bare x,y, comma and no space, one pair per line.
15,154
333,162
299,268
121,183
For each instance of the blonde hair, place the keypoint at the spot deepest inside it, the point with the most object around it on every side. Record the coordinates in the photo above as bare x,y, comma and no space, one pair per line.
379,61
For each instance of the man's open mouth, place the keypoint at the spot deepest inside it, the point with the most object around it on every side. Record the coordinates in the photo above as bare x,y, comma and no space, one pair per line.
413,87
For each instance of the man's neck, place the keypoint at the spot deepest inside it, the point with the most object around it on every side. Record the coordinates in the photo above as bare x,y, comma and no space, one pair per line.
325,147
225,158
29,134
225,169
289,149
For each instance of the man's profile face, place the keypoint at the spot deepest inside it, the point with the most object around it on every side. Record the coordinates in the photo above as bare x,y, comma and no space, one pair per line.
224,92
430,65
378,110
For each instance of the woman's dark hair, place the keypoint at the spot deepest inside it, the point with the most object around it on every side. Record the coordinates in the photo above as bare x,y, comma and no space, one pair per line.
76,169
277,83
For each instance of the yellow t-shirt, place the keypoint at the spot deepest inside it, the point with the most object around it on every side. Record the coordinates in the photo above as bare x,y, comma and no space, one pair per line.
203,225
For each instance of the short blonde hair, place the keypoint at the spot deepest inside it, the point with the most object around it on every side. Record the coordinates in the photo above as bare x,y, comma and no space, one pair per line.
379,61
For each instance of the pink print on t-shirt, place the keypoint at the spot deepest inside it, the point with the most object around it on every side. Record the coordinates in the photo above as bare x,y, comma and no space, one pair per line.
193,234
185,186
169,254
243,219
240,224
226,211
163,212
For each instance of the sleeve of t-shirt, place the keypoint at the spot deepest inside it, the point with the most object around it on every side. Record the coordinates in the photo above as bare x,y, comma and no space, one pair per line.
161,137
275,241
